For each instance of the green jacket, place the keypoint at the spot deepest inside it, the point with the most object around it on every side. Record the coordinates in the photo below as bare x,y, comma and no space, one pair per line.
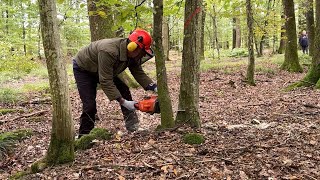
109,58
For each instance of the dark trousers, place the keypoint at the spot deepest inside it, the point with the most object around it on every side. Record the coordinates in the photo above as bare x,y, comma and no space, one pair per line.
87,86
304,49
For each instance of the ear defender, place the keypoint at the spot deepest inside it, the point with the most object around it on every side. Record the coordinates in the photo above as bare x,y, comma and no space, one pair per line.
132,46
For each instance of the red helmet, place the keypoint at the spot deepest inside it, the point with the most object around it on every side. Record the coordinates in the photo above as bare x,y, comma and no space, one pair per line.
143,40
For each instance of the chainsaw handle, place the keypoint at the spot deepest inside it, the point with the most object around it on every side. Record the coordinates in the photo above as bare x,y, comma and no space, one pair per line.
136,105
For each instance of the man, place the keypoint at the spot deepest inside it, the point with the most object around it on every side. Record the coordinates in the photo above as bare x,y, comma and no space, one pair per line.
101,62
304,42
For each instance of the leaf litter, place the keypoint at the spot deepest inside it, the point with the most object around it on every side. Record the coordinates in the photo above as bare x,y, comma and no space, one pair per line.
251,132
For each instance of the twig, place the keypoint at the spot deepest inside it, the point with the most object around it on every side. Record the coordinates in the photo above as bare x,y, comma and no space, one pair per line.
29,115
310,106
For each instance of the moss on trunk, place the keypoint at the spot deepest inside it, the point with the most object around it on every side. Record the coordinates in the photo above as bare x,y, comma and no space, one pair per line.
60,151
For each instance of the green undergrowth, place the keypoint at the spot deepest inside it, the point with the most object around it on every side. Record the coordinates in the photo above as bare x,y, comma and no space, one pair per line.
10,95
8,111
8,140
86,141
193,138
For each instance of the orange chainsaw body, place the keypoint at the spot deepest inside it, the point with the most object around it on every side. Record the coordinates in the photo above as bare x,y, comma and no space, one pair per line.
149,104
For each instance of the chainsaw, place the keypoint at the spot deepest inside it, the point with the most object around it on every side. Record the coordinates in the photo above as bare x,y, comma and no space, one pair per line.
149,104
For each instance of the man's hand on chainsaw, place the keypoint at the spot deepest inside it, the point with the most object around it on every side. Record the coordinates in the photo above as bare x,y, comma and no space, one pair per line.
130,105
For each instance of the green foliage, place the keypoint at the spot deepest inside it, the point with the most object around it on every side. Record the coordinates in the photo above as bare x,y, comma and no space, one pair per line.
8,140
18,64
193,138
239,52
7,111
41,72
19,175
35,87
9,95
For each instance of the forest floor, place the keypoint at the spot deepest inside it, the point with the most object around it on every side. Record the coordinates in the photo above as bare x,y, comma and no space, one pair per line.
251,132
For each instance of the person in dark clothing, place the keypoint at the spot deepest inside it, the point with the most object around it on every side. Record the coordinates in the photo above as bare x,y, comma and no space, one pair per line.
101,62
304,42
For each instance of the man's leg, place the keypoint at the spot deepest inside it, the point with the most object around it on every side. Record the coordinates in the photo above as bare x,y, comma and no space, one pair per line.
130,117
87,87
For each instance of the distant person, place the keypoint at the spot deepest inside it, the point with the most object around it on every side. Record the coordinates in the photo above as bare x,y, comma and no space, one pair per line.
304,42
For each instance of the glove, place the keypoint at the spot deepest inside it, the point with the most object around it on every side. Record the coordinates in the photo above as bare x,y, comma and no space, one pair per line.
129,105
152,87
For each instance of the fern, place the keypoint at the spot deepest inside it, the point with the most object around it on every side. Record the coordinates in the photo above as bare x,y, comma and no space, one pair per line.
8,140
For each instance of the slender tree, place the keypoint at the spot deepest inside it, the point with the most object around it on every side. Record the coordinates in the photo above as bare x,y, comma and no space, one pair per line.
250,69
282,44
310,25
166,38
167,120
291,61
61,148
189,88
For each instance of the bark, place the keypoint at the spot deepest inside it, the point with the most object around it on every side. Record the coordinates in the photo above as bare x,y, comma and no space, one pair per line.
236,40
250,69
291,61
282,44
101,21
23,31
215,31
310,25
167,120
61,148
189,88
165,39
203,20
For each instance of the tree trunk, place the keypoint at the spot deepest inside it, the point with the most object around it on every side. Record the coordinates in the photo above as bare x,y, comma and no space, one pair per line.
189,88
310,25
291,61
215,30
203,21
165,39
236,39
283,38
23,31
250,69
167,120
313,75
61,148
101,20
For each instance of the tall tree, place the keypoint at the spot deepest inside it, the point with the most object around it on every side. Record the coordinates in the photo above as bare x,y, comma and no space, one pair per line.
167,120
189,88
250,69
291,61
282,44
313,75
61,148
101,20
166,38
310,25
236,33
203,21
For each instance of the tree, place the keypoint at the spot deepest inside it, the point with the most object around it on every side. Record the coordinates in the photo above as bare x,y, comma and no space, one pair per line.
61,148
101,20
291,61
236,33
167,120
282,44
166,38
250,69
310,25
189,87
313,75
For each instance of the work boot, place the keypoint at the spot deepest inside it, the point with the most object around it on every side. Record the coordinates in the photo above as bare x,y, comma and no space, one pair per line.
131,121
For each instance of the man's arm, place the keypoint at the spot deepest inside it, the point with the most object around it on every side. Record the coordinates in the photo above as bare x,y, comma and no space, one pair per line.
141,77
